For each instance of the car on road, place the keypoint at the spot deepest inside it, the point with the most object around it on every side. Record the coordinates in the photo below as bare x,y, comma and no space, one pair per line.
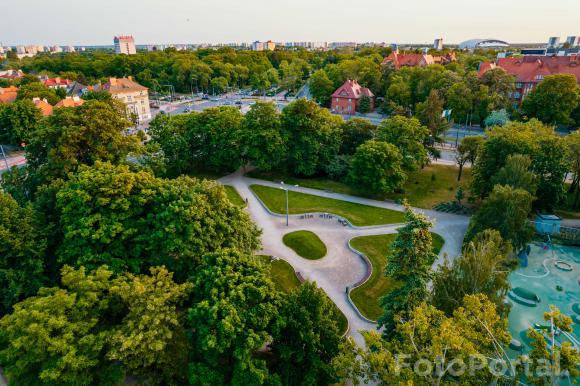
205,97
238,102
186,110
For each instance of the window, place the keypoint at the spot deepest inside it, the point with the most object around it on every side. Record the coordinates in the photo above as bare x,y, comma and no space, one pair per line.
518,85
129,98
349,107
539,77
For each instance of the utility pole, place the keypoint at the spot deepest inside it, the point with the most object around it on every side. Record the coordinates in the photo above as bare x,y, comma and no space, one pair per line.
287,206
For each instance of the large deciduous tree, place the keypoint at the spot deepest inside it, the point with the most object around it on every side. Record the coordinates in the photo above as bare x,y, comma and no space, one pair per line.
313,136
262,142
546,149
355,132
409,136
483,267
80,136
431,348
321,87
55,338
307,337
506,210
21,252
517,174
17,121
214,137
553,100
467,152
377,167
97,328
234,305
132,220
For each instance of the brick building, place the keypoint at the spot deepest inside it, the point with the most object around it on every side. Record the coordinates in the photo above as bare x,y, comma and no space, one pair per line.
529,71
346,99
397,60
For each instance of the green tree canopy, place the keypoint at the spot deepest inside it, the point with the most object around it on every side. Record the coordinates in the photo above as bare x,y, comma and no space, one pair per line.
407,135
516,173
95,329
17,121
474,330
54,338
214,138
262,141
355,132
505,210
546,149
37,90
321,87
313,136
307,337
483,267
409,264
132,220
376,166
21,252
553,100
80,136
234,305
467,152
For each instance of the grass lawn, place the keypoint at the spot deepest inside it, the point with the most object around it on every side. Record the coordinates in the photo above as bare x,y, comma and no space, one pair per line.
357,214
306,244
420,189
234,196
285,279
376,248
282,274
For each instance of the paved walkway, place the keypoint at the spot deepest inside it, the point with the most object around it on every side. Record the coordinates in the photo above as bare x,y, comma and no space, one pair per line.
340,267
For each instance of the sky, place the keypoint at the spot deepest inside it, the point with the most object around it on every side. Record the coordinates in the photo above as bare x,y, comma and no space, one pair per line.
95,22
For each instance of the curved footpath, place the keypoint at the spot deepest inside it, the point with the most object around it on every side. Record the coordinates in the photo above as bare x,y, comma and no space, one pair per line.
340,267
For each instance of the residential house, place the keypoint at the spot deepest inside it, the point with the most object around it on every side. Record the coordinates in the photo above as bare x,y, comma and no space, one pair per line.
43,105
70,101
8,94
346,99
56,83
11,74
397,60
132,94
529,71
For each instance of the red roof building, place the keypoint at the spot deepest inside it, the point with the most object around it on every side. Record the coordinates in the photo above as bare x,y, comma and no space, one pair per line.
8,94
346,98
73,101
529,71
397,60
43,105
57,83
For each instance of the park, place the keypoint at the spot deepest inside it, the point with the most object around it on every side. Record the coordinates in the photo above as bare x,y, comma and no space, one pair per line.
369,224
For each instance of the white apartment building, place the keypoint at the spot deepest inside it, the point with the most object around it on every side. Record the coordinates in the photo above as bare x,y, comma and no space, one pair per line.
132,94
125,45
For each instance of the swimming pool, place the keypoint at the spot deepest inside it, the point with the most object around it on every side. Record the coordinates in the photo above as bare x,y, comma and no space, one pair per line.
553,276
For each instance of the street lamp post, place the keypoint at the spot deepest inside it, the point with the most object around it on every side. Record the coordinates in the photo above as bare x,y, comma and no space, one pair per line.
287,207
